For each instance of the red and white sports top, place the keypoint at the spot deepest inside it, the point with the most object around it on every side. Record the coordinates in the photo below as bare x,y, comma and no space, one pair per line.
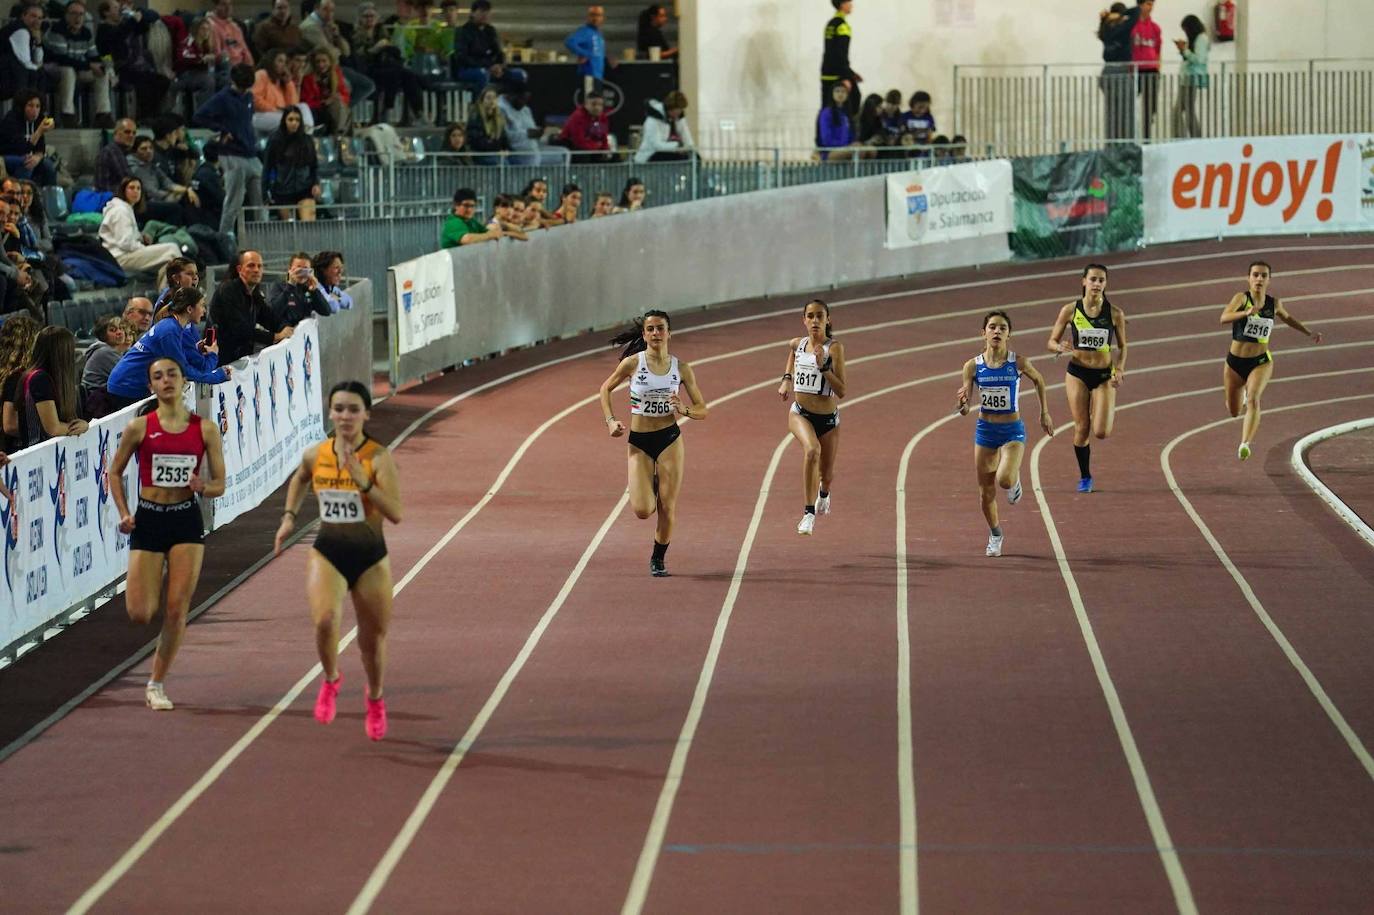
167,459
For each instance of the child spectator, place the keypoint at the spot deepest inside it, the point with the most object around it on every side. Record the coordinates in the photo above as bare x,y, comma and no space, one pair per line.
834,128
568,205
632,196
919,121
503,217
604,205
462,227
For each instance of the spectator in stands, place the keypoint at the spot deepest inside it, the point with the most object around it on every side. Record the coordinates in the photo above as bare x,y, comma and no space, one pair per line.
46,397
208,184
872,132
33,215
835,67
650,32
320,30
230,44
172,155
298,295
180,205
1195,47
631,196
1117,80
665,136
17,334
122,38
17,288
275,92
240,314
179,272
381,60
836,131
918,120
97,364
329,270
325,91
1146,42
892,114
22,61
415,33
230,112
278,30
72,58
119,232
487,128
298,65
503,216
139,313
462,227
521,128
23,143
112,162
569,205
175,336
197,66
589,45
291,170
456,141
477,55
588,130
536,195
604,205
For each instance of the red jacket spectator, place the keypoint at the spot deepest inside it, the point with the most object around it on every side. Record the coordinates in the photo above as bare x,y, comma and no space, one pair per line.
313,94
190,55
1146,39
588,128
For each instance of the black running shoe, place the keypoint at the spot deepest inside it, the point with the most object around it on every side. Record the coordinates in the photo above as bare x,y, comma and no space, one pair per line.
657,569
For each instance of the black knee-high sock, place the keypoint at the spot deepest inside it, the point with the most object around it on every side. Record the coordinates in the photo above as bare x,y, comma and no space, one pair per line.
660,550
1084,455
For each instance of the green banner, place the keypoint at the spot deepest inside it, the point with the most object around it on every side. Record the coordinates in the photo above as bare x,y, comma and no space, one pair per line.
1077,203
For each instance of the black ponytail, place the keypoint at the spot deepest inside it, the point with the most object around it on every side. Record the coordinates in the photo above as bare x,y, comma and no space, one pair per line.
823,304
351,387
632,338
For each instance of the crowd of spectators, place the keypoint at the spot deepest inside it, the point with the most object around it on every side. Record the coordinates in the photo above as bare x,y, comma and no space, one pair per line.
47,391
519,216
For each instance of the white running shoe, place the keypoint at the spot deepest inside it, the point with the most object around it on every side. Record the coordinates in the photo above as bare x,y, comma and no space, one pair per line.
994,545
1014,494
156,697
1243,452
823,505
808,524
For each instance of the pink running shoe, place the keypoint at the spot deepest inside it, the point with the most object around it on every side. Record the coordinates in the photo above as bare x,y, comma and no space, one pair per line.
328,698
375,721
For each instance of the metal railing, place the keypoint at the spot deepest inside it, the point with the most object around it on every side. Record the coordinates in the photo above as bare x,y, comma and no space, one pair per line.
1046,108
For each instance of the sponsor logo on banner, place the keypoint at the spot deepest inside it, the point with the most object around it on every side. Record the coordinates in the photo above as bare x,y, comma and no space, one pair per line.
9,514
950,203
57,492
1205,188
426,308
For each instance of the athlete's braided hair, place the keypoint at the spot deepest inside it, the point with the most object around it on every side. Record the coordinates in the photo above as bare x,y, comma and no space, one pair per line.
632,338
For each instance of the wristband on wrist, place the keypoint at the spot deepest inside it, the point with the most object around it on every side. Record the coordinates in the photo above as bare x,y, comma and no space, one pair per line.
291,512
786,376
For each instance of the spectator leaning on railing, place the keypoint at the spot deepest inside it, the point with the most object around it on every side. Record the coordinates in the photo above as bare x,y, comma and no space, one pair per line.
176,336
46,398
665,136
179,272
97,364
462,227
329,270
631,196
298,295
239,311
16,352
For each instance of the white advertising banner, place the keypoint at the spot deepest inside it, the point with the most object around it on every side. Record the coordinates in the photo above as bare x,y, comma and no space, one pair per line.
1256,186
426,306
949,203
267,414
62,540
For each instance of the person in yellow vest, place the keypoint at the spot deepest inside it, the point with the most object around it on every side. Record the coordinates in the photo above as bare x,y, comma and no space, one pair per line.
355,480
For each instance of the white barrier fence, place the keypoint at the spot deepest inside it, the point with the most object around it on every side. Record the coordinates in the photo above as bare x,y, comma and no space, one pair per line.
62,545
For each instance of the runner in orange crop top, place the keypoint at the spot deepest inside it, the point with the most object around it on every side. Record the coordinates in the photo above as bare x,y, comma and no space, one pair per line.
355,481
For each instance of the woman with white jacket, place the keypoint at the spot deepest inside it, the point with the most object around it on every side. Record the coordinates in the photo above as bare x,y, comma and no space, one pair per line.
665,136
120,236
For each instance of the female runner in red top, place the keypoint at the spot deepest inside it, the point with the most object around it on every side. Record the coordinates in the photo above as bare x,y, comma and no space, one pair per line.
173,446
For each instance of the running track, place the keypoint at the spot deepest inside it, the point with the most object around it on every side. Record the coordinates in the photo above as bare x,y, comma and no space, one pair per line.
1159,699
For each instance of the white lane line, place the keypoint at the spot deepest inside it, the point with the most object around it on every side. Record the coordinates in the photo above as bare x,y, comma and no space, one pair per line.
164,822
377,879
1342,726
1324,492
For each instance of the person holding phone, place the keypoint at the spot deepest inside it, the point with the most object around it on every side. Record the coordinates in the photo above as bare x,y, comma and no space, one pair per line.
298,295
174,337
179,458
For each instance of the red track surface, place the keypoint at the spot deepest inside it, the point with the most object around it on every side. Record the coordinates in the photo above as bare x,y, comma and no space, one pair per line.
788,800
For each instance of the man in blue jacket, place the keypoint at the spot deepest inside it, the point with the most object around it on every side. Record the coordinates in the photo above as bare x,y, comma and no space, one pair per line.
590,45
230,111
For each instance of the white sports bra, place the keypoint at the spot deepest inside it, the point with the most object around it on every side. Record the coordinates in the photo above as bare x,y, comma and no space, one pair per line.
649,393
807,377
